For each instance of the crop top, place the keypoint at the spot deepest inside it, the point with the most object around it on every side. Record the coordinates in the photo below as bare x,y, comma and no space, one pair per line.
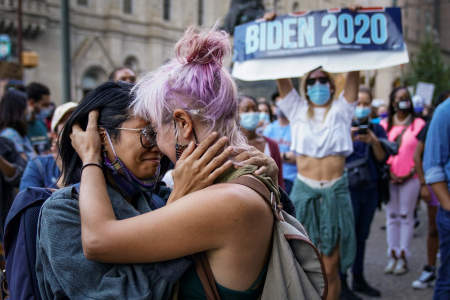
322,135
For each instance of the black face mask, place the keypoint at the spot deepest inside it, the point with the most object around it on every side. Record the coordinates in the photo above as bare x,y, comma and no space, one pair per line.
178,147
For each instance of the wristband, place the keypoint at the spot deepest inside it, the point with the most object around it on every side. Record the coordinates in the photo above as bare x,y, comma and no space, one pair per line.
91,164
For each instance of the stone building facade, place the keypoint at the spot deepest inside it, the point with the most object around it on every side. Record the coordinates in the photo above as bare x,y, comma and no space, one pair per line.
105,34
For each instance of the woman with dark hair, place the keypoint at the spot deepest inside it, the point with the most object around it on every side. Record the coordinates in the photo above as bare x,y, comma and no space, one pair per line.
265,114
321,139
248,120
402,127
13,122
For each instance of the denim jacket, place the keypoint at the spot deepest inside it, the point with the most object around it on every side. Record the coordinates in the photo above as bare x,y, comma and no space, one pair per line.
64,272
436,159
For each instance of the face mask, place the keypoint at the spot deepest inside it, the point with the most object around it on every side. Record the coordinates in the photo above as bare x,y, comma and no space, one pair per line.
249,120
44,113
123,177
178,147
383,115
318,93
362,112
404,105
280,113
263,116
418,110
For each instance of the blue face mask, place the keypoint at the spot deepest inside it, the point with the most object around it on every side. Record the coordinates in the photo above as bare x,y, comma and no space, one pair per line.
383,115
362,112
318,93
249,120
263,116
44,113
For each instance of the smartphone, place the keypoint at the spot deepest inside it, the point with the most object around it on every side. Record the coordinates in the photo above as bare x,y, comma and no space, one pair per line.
363,129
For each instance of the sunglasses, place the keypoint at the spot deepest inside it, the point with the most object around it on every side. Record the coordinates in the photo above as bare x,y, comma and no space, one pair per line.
312,81
147,135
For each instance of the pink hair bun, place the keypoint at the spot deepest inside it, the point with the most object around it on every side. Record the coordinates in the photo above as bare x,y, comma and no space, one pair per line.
203,47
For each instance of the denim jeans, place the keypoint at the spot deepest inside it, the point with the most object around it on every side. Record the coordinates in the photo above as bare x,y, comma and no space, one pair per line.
442,287
364,202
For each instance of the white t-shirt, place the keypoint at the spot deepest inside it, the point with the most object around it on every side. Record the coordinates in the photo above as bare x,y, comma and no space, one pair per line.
319,137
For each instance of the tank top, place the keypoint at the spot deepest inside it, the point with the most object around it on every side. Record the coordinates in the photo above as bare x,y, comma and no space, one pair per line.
190,284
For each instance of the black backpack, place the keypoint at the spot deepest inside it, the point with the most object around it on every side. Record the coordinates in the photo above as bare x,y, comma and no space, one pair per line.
20,242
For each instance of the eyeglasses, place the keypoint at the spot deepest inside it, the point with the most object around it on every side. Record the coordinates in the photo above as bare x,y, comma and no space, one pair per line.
312,81
147,135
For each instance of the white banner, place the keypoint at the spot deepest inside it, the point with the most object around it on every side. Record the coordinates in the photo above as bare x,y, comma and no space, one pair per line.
344,61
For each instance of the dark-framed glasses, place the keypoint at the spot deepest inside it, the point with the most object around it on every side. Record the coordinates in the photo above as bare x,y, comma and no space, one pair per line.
312,81
147,135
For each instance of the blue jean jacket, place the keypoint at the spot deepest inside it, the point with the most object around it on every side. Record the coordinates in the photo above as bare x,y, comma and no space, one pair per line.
64,272
436,159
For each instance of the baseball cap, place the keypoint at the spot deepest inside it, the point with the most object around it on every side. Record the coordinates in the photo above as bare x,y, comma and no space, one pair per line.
60,112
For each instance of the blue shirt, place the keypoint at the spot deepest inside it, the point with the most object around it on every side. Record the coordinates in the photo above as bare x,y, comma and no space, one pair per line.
436,159
42,171
22,143
360,150
63,272
282,135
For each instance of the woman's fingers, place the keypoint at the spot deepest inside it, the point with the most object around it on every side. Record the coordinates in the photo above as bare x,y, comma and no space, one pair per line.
262,170
218,160
190,148
220,170
213,150
92,120
204,145
76,129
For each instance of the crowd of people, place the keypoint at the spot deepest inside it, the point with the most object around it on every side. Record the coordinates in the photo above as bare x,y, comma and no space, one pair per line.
113,229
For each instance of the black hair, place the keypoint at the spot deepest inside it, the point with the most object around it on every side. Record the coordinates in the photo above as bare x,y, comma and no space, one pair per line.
442,97
275,96
12,111
36,90
112,101
112,75
367,90
392,110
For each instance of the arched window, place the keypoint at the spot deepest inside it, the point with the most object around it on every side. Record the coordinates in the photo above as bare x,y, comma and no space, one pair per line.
200,12
128,6
92,78
132,63
166,10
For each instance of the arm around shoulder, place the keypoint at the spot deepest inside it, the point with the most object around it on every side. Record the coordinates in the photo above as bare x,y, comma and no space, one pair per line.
197,222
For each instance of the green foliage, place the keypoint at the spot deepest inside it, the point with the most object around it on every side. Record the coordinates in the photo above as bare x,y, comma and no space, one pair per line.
429,66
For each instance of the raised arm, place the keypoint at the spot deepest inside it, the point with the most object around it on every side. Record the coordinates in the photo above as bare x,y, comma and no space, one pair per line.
351,86
284,86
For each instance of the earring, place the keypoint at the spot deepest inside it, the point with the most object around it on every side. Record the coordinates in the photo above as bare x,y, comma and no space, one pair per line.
178,148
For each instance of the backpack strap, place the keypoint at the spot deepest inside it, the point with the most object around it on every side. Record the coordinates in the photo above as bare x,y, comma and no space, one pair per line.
259,187
206,276
202,266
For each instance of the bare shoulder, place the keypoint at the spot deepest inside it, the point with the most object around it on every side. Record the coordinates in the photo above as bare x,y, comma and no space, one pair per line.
236,199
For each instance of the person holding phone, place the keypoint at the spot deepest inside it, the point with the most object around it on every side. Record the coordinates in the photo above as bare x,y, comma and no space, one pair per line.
368,153
402,127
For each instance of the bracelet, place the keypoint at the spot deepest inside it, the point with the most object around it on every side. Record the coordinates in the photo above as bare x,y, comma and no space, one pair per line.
91,164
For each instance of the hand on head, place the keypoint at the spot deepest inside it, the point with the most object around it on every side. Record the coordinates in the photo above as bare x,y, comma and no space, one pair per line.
87,143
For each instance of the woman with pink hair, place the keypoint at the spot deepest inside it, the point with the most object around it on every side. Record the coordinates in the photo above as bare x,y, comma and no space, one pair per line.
185,101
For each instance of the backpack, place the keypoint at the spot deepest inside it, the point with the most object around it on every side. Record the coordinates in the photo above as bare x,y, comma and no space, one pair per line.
295,269
20,242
